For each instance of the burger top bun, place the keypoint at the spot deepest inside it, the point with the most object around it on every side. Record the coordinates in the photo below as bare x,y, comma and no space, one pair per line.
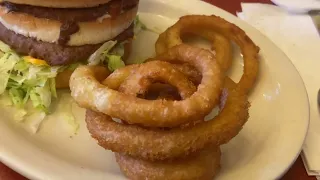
61,3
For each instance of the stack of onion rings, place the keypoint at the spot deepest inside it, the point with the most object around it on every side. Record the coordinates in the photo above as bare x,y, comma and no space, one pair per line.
165,136
175,142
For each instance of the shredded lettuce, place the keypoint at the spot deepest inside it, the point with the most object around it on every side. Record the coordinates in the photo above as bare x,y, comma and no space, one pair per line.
26,83
7,63
99,56
22,81
110,53
114,62
17,96
41,97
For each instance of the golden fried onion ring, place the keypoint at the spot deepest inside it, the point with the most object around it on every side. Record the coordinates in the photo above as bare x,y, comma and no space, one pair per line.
232,32
221,45
62,79
114,80
157,71
157,144
204,165
89,93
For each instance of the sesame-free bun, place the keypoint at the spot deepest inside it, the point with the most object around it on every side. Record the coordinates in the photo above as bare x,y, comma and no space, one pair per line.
61,3
91,32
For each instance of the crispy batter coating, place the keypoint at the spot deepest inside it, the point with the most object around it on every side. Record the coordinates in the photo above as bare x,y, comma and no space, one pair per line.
220,44
202,166
205,25
157,71
62,79
89,93
164,136
159,144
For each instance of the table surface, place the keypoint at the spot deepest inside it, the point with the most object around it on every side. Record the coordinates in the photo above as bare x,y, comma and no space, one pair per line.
297,171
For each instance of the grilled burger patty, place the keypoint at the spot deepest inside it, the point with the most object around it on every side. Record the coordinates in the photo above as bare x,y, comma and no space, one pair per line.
113,8
53,54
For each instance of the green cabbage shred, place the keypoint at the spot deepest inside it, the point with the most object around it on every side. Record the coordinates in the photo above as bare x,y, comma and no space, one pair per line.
21,81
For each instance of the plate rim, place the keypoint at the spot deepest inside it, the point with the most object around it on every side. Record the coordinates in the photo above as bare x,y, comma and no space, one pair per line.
200,5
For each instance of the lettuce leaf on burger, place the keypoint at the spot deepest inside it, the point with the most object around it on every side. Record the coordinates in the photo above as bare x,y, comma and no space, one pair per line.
43,41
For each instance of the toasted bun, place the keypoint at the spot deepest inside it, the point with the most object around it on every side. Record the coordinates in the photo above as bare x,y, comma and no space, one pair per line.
93,32
61,3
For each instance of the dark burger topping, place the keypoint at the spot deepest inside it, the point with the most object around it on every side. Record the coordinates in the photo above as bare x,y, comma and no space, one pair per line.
66,30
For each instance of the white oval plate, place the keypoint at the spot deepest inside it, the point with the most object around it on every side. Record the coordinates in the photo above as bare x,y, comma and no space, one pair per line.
266,147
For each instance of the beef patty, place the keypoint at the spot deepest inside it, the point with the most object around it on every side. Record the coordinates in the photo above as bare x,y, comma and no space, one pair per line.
113,8
53,54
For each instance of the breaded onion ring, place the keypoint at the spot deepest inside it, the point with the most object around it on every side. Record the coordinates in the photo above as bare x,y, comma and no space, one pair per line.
89,93
140,83
161,46
232,32
222,47
157,71
192,74
114,80
62,79
220,44
202,166
157,144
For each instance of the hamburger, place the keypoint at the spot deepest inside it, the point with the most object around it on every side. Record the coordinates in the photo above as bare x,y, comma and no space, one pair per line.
43,41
